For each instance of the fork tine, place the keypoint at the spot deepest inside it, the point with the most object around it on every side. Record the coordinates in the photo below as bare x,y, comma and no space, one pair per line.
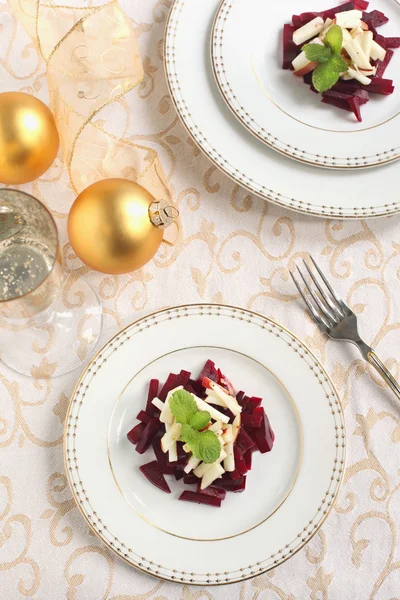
338,300
322,307
311,307
335,308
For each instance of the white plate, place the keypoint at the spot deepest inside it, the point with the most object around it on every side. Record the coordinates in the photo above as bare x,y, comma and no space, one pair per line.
280,109
290,490
248,161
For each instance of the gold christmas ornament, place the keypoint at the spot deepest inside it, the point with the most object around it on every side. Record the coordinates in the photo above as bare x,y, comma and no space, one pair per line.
116,226
28,138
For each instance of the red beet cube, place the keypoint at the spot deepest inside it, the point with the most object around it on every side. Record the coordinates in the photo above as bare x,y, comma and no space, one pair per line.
264,436
169,385
148,434
153,473
182,379
240,465
161,457
381,65
355,105
200,498
253,420
290,50
244,441
239,397
190,479
392,42
211,491
209,371
153,391
231,485
381,86
179,475
361,5
143,417
248,458
135,433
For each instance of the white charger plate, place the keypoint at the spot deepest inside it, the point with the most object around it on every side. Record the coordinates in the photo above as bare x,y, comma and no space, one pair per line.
280,109
290,491
343,194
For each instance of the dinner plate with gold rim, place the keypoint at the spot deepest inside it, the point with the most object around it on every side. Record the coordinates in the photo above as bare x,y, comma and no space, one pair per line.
360,193
280,109
290,490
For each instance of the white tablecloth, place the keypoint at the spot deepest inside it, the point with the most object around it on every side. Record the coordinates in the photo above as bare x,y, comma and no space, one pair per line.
236,249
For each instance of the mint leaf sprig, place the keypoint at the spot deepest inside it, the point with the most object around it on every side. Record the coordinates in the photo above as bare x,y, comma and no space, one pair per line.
204,445
330,63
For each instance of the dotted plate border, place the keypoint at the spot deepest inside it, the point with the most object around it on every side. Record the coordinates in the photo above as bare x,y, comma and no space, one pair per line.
87,505
218,159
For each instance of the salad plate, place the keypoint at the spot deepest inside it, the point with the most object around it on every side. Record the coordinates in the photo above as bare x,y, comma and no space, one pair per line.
279,109
290,489
359,193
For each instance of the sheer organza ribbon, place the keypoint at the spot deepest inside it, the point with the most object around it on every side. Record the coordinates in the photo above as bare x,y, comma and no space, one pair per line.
93,61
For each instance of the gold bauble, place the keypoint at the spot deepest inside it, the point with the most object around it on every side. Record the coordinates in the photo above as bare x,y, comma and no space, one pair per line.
28,138
110,229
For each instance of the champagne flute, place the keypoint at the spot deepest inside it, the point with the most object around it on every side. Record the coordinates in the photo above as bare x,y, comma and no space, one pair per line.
48,326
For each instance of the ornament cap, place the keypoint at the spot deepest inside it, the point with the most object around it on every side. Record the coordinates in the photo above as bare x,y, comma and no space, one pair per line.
162,215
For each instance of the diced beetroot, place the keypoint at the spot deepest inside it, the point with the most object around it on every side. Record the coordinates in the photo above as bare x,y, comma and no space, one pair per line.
231,485
264,436
290,50
306,17
254,420
239,397
361,5
355,105
379,39
227,384
392,42
244,441
168,386
343,104
153,473
143,417
253,403
248,459
209,371
381,86
211,491
162,458
188,496
341,91
190,479
179,475
381,65
331,12
153,391
148,434
182,379
135,433
180,451
240,465
374,19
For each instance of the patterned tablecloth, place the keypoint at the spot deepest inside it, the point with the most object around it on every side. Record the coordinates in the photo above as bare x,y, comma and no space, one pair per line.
235,249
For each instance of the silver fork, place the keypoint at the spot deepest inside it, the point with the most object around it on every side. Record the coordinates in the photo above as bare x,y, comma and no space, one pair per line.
336,319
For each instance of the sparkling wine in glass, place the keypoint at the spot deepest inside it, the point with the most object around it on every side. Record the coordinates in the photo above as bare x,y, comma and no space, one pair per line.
48,326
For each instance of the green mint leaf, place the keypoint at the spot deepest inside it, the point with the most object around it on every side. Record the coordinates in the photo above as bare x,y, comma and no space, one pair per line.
338,64
317,53
334,39
200,420
188,434
324,77
206,447
182,406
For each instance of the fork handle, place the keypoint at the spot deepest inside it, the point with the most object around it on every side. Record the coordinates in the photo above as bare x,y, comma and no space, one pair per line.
384,373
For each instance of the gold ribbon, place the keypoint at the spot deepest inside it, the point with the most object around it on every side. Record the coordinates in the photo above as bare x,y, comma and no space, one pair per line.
93,61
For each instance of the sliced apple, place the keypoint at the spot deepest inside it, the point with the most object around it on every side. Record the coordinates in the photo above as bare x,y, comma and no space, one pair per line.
349,18
192,464
347,37
365,39
308,31
173,453
356,54
377,52
356,31
229,462
211,475
171,437
359,76
215,414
